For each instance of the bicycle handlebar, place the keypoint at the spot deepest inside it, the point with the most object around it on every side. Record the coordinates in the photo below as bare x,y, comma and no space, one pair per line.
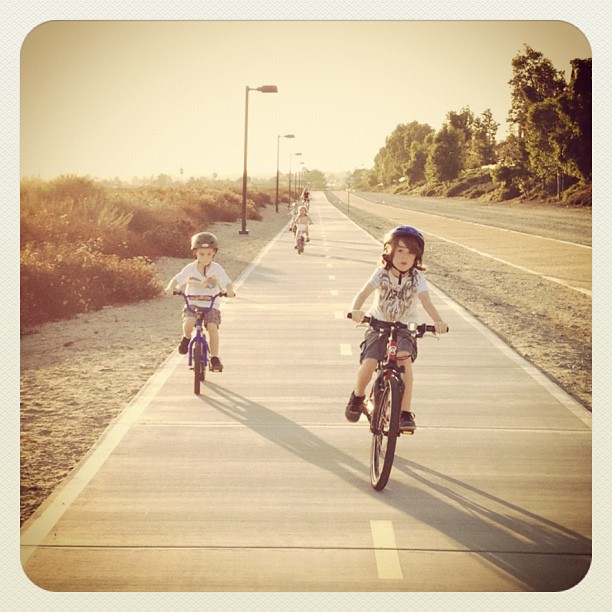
190,307
420,329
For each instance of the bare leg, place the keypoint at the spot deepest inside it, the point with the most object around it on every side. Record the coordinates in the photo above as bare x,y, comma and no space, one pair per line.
405,360
213,336
188,324
364,376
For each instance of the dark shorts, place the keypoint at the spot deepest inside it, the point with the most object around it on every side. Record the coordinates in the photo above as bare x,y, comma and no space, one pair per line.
375,345
212,316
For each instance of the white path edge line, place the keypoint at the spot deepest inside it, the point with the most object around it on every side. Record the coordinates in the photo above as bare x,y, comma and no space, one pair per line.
552,279
36,529
500,229
557,392
247,272
503,261
385,551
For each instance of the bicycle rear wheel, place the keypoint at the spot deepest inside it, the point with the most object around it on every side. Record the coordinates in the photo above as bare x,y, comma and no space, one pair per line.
385,431
198,366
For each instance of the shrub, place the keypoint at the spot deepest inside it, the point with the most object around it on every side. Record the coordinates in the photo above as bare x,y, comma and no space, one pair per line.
59,284
84,246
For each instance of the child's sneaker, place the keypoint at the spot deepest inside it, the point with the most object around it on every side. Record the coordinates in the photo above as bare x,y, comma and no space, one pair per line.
183,347
216,365
354,408
407,424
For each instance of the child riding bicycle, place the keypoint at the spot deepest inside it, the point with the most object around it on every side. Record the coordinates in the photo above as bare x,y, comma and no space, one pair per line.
301,222
396,283
203,278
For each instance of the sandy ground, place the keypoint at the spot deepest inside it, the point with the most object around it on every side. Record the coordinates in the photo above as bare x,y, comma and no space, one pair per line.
78,375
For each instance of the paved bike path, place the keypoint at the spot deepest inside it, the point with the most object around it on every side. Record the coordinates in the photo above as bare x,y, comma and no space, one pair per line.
260,484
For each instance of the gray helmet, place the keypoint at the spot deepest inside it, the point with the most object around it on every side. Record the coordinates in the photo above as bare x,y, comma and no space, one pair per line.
204,239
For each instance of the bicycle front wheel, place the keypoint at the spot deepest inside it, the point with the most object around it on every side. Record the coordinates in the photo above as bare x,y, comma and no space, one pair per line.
198,366
385,432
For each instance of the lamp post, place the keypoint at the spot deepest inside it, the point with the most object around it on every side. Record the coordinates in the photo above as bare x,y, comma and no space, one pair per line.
277,152
300,182
290,157
263,89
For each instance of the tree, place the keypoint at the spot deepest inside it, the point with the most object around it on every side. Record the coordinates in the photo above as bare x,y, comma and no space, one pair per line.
446,157
534,80
463,121
392,160
315,179
482,147
548,130
577,102
415,168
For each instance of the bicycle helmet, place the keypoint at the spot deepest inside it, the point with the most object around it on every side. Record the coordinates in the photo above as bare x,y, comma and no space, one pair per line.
203,240
390,243
404,230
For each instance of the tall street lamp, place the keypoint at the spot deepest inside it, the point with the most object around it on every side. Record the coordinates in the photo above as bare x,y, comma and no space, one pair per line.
290,157
263,89
277,151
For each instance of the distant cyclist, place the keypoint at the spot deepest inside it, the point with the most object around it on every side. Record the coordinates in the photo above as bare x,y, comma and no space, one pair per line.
396,283
301,223
306,197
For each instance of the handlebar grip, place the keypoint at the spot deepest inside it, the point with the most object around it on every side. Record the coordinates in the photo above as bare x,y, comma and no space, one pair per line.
432,328
366,319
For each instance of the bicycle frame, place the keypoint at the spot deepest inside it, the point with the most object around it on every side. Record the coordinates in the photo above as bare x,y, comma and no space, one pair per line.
198,313
386,368
300,240
200,336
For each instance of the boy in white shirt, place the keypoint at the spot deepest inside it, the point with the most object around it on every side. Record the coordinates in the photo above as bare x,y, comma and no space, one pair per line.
203,277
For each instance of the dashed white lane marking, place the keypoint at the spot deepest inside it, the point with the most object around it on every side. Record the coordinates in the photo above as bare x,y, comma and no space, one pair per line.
385,551
334,292
338,314
332,277
345,349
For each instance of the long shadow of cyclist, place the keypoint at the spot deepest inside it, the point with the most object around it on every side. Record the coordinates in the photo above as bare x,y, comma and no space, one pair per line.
503,534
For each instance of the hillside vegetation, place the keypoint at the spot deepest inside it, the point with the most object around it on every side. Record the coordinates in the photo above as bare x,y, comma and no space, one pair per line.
85,246
479,184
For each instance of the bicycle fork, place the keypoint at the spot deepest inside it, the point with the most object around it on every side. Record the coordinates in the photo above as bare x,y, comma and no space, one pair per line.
377,391
198,338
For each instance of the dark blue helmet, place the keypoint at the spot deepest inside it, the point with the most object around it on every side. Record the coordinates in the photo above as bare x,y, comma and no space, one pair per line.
404,230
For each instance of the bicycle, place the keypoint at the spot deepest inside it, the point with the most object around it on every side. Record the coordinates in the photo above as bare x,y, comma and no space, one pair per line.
198,345
300,241
382,407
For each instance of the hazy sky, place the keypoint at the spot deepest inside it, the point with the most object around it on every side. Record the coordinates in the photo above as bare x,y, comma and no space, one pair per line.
142,98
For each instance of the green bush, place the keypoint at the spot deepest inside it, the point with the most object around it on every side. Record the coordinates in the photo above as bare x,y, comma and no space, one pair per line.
84,246
59,284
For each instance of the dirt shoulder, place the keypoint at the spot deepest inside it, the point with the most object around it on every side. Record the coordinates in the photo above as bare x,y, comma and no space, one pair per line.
78,375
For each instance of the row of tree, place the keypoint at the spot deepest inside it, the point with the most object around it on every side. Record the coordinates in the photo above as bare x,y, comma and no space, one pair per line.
548,149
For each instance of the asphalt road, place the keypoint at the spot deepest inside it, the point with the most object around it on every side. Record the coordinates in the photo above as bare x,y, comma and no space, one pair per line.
260,484
558,260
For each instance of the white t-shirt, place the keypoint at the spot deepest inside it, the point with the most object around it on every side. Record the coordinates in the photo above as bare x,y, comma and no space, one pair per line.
395,301
196,283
